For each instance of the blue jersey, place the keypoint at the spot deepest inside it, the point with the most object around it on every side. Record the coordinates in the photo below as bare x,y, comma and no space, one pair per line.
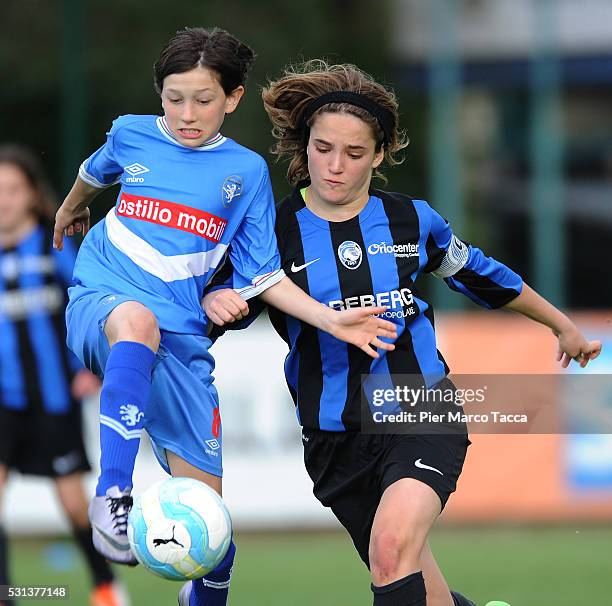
373,259
35,366
177,212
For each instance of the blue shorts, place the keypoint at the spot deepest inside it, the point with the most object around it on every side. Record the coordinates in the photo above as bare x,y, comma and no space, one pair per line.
182,414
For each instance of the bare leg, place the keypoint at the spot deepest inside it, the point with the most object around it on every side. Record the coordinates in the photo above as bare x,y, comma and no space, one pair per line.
180,468
132,321
71,494
438,593
398,544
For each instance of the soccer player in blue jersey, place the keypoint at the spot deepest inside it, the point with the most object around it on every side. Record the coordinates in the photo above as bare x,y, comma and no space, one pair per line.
41,382
189,196
349,245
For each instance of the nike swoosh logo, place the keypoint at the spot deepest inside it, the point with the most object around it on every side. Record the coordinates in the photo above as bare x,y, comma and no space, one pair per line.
423,466
295,268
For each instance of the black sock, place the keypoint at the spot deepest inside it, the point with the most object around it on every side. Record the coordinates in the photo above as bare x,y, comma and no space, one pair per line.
461,600
409,591
4,576
100,569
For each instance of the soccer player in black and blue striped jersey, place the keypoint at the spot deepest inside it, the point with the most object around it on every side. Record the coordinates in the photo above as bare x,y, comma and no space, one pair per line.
349,245
41,382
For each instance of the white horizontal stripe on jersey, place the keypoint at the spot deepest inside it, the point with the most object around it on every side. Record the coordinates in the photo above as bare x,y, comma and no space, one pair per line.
261,283
91,180
165,267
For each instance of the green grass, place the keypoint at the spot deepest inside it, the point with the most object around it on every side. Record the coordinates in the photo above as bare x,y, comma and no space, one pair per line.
526,567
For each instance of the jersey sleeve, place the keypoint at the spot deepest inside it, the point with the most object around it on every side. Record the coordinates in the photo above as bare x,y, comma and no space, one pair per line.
101,169
254,251
466,269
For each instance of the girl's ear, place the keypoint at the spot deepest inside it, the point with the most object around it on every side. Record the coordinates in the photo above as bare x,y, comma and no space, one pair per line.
232,100
379,157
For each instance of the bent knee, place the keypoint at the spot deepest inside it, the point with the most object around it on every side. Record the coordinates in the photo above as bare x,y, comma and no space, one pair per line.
132,321
392,552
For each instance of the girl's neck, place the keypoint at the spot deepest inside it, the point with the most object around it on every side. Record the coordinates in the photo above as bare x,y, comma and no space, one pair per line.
334,212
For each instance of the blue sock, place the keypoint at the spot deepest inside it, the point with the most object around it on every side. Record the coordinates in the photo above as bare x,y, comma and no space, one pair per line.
125,392
212,590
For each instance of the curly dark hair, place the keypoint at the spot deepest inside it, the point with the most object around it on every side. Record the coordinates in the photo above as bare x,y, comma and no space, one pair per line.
286,99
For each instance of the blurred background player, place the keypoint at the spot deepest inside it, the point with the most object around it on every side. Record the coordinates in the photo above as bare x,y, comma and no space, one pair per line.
41,382
135,317
347,244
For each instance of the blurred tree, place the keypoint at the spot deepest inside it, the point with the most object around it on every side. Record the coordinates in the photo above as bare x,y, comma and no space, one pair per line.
123,39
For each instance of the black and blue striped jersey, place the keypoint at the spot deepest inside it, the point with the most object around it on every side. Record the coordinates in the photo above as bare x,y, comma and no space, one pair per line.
35,365
370,260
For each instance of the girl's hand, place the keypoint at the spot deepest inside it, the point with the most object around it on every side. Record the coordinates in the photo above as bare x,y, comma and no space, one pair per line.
361,327
573,346
68,222
225,306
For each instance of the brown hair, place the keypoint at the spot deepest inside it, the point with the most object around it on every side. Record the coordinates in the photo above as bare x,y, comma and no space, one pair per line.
214,49
286,100
29,165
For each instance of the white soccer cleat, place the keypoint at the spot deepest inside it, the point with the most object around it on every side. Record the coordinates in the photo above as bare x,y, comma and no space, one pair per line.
184,594
108,515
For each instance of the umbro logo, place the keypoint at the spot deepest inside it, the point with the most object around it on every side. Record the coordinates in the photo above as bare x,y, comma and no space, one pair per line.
134,170
295,268
213,447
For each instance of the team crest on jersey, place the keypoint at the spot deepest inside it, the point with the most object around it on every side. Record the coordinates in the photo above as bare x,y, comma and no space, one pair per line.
350,254
232,188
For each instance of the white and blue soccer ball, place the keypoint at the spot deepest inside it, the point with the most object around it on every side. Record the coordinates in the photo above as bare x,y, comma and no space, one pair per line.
179,529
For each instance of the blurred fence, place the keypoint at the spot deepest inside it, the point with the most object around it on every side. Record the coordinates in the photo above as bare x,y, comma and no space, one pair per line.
506,477
546,478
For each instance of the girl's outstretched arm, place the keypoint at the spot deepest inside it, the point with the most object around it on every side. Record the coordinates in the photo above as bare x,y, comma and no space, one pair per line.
572,343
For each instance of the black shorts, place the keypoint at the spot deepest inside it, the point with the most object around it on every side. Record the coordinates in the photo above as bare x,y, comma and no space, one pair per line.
37,443
351,470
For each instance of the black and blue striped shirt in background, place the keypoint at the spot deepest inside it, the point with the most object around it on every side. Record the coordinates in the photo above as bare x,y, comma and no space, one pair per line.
36,367
373,259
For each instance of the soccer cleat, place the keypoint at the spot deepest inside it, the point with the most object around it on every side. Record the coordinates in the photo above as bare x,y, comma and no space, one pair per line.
184,594
109,594
108,515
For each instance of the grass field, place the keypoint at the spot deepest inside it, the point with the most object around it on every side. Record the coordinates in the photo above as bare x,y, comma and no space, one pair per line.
526,567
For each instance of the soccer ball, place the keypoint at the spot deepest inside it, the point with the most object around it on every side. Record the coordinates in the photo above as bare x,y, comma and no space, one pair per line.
179,529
